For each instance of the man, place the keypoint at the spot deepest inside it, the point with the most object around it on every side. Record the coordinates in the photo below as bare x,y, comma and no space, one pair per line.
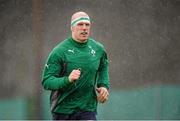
77,73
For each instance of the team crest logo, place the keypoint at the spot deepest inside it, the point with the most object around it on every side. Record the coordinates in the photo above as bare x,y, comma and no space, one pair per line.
93,52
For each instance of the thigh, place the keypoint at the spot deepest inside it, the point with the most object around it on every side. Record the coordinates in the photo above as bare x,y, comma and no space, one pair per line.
87,115
59,116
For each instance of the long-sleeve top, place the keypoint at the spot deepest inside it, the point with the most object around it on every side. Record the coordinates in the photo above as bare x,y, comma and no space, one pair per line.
91,59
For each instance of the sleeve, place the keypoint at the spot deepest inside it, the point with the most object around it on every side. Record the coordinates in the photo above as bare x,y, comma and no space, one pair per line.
103,77
51,79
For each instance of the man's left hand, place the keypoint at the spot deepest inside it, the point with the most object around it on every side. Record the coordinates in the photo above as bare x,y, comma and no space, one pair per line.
103,94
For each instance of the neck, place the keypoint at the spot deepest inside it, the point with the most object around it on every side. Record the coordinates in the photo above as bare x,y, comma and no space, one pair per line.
80,41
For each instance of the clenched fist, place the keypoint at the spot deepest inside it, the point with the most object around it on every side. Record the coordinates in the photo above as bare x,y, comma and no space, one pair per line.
102,94
74,75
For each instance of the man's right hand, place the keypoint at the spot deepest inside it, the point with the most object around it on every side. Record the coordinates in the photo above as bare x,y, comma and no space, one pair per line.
74,75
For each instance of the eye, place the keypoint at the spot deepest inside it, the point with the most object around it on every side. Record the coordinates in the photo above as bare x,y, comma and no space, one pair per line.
80,24
87,24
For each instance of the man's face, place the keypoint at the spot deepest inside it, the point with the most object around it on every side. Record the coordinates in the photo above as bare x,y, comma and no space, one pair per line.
81,31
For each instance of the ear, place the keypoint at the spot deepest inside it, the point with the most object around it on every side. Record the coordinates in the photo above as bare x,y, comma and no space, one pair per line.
72,28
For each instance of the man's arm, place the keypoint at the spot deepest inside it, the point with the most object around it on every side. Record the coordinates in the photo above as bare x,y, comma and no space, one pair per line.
103,80
51,79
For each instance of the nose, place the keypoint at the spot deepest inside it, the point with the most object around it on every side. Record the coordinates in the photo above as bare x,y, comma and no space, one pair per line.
84,26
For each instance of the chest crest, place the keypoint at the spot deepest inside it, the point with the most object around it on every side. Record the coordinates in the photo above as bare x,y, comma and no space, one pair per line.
92,51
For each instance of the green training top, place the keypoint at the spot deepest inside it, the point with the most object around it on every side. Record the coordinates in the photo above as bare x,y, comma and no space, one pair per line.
91,59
